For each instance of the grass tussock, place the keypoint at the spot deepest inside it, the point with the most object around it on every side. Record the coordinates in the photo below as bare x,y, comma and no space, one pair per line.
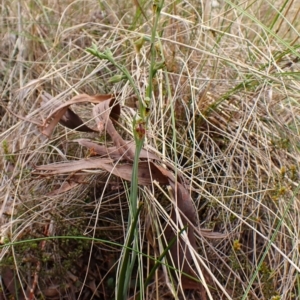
223,112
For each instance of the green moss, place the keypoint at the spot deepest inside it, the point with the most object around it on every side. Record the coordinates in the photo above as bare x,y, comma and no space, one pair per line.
7,153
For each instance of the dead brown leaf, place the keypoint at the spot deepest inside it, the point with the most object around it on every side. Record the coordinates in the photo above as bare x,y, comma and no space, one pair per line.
53,121
184,206
147,172
112,152
68,185
73,121
68,118
102,115
9,279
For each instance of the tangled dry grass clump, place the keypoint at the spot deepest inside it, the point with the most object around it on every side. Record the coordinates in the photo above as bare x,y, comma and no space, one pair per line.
215,214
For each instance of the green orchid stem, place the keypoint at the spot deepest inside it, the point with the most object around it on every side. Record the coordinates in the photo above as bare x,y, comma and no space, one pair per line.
157,9
107,55
139,131
123,276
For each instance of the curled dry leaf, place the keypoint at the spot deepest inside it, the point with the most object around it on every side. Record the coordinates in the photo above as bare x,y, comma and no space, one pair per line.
69,119
55,118
102,115
73,121
64,115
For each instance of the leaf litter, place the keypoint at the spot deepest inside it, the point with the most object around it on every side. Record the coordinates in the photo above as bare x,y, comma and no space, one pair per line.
118,160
